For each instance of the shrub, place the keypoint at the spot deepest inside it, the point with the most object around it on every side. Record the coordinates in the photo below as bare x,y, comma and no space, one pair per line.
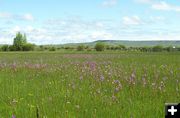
42,48
12,48
107,47
121,47
46,48
80,48
52,49
145,49
67,48
178,48
5,48
171,49
99,47
112,48
28,47
87,47
157,48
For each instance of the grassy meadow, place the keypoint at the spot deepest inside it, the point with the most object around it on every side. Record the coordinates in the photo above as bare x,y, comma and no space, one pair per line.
88,85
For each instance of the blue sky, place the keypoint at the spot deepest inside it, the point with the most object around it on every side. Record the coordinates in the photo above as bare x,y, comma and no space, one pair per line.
73,21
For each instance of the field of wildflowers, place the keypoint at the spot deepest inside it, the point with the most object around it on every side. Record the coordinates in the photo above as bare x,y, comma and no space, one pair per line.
98,85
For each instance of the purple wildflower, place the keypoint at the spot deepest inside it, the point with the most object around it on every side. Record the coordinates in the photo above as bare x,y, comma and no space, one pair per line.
114,98
117,89
132,78
116,82
92,66
102,78
13,116
14,66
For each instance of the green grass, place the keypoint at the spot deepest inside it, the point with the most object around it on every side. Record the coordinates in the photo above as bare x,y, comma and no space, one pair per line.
88,84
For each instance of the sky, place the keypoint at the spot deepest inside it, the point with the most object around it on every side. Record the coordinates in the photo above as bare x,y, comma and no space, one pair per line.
75,21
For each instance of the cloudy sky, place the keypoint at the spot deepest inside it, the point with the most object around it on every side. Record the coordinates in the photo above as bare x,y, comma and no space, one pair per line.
73,21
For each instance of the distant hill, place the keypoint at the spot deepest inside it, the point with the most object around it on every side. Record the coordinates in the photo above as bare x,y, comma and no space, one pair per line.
123,42
129,43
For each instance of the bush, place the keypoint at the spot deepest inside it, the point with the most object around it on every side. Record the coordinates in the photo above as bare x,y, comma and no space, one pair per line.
171,49
41,48
46,48
28,47
157,48
52,49
87,47
121,47
145,49
99,47
80,48
107,47
67,48
5,48
12,48
112,48
178,48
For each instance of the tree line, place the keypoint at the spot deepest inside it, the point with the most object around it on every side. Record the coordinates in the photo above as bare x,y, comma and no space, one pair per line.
157,48
20,44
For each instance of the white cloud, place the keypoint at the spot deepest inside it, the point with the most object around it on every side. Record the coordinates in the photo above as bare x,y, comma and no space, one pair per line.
60,31
10,16
66,32
160,5
101,35
45,36
4,40
5,15
157,19
29,28
165,6
144,1
15,29
109,3
133,20
100,24
28,17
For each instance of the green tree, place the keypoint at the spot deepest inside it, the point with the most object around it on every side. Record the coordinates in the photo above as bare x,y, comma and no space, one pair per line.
19,41
99,46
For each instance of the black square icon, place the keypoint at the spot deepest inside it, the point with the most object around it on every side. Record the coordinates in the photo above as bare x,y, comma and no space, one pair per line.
172,110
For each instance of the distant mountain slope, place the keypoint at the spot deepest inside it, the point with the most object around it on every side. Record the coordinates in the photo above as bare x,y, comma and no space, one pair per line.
129,43
123,42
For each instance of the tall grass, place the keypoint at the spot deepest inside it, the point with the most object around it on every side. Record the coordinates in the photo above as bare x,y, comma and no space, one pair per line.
55,85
